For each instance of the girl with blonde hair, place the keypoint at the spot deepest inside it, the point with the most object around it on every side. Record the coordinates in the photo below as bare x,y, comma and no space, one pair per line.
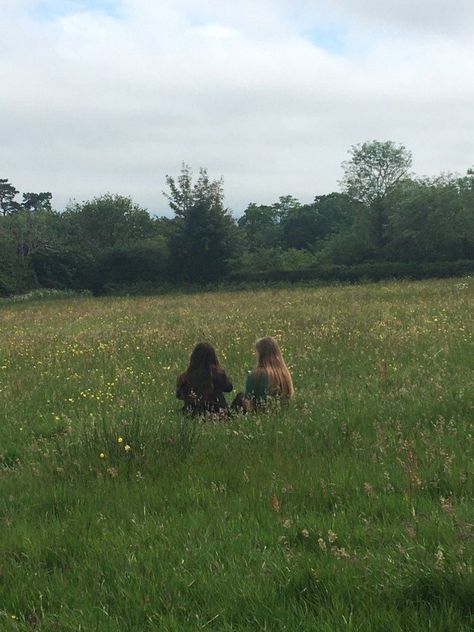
270,378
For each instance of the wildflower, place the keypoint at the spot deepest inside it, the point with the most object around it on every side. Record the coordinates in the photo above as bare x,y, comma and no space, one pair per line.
332,537
369,490
101,455
340,553
305,533
120,440
322,544
127,448
439,557
287,524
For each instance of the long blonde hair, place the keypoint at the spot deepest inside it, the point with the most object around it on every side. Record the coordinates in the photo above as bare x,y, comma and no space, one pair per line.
270,361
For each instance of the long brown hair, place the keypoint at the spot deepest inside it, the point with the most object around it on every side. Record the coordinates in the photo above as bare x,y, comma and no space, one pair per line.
270,361
198,375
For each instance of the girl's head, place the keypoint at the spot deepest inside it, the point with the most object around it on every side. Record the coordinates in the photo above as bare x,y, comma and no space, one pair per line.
203,356
270,360
199,372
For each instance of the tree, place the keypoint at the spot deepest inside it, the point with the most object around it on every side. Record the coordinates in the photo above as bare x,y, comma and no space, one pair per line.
7,197
432,219
107,221
204,236
304,226
37,201
7,261
183,193
260,224
286,204
371,175
374,169
32,232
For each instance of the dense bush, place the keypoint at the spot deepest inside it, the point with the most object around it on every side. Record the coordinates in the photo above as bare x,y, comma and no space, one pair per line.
365,271
142,263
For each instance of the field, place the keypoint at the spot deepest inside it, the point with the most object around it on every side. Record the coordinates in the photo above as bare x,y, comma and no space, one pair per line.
351,510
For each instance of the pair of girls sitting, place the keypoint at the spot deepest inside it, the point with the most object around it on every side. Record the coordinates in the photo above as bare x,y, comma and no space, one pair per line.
203,384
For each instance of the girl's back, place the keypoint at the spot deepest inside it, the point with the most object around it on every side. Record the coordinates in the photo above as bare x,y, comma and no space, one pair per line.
203,384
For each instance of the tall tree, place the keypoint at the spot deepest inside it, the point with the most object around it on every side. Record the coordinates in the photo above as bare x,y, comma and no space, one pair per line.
204,236
8,204
373,172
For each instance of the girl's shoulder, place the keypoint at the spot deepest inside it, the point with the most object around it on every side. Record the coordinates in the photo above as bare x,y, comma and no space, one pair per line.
258,374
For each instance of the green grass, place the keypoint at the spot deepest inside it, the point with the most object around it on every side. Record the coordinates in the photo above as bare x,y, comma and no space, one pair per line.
351,510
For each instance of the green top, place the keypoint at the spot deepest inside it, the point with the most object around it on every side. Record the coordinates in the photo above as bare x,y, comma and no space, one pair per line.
256,386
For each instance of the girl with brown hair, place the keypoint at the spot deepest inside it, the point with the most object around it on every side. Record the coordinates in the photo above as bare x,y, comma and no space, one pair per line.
203,384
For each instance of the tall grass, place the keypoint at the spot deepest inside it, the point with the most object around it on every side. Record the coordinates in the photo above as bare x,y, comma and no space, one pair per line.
350,510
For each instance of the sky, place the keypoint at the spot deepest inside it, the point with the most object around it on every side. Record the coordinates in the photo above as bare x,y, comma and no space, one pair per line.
111,95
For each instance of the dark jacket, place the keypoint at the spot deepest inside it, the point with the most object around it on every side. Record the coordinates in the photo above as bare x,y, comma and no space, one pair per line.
199,404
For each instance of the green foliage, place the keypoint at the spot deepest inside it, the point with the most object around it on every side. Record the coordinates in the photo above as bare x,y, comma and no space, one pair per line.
7,197
374,169
108,221
112,245
64,268
269,259
261,226
143,262
307,226
37,201
204,236
432,220
349,248
316,271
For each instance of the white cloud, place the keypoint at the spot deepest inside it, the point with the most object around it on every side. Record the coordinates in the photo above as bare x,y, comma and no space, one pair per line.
98,103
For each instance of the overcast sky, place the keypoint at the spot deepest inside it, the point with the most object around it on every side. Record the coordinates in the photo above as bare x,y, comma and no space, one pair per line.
112,95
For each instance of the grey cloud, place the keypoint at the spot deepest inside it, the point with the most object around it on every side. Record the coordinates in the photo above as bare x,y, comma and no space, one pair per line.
421,15
101,104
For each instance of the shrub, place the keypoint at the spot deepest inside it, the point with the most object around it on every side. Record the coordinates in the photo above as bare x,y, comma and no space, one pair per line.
365,271
142,264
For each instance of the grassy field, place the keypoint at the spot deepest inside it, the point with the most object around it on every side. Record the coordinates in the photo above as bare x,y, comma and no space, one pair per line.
351,510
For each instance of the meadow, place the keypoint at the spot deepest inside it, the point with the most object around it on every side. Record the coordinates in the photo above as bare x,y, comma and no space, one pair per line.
350,510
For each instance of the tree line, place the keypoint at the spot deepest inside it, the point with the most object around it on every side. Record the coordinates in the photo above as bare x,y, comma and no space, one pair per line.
382,215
